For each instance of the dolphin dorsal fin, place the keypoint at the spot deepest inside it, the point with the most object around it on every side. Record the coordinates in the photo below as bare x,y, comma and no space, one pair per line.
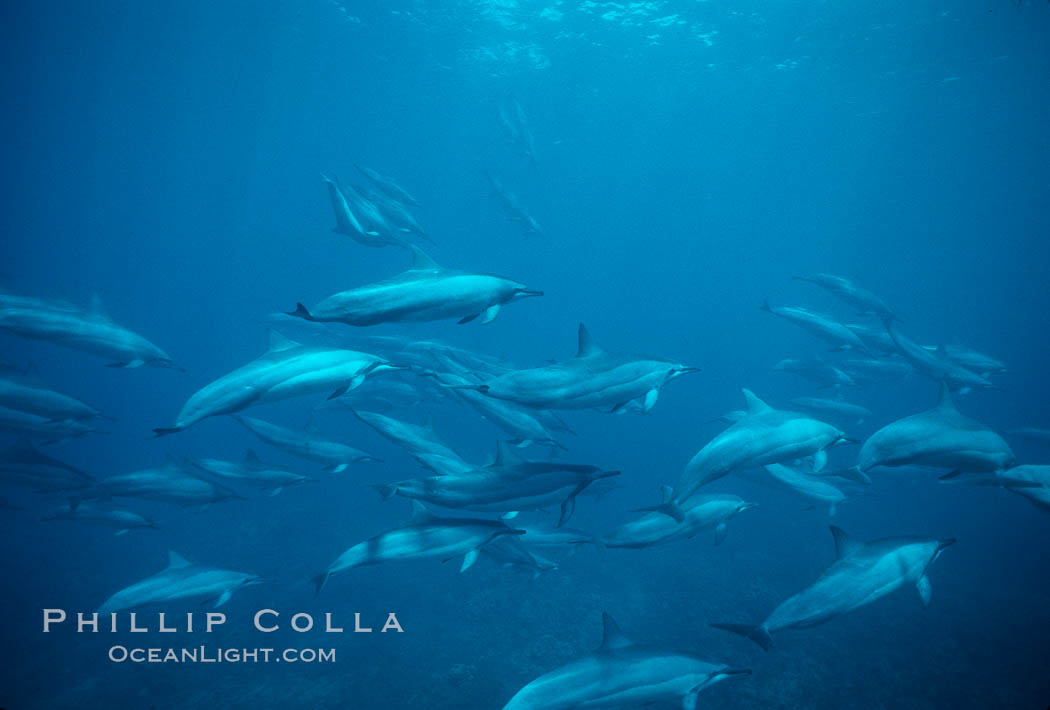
419,513
944,400
754,404
175,560
586,345
612,637
278,342
844,544
96,309
420,260
251,457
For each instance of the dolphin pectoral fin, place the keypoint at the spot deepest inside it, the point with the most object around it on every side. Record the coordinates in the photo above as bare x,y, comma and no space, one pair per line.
618,409
925,590
758,634
469,559
650,399
467,319
319,582
850,474
689,700
223,598
490,314
568,507
123,531
820,460
339,392
720,533
338,468
509,515
275,491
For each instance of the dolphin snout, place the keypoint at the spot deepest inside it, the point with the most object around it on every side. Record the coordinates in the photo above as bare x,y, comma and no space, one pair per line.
945,543
529,292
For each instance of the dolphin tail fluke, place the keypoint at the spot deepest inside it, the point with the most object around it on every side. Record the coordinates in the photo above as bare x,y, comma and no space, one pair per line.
300,312
164,431
758,634
765,305
319,582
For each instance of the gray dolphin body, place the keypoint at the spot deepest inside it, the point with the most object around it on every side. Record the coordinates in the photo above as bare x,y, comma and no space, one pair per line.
417,440
764,436
823,327
936,364
122,520
972,360
17,393
870,370
87,330
592,379
817,371
180,580
509,551
348,222
337,455
874,337
940,437
426,292
388,186
253,472
516,127
21,464
621,674
833,407
287,369
169,483
699,513
425,535
41,427
863,572
512,207
813,488
1038,494
862,299
503,487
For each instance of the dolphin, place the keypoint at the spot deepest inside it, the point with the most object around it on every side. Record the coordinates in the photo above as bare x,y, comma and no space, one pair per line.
416,439
21,394
347,221
936,365
764,436
1030,481
813,488
697,514
180,580
863,300
823,327
869,370
502,489
516,127
388,186
169,483
426,292
817,371
622,674
592,379
253,472
862,573
509,551
971,359
41,427
21,464
875,338
425,535
513,419
304,444
89,330
940,437
512,207
833,407
287,369
396,214
122,520
543,536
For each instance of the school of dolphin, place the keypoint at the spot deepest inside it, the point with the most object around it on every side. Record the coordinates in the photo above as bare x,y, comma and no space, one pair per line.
392,374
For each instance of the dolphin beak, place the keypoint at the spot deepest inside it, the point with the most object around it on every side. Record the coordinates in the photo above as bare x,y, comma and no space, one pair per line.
686,370
945,543
529,292
747,506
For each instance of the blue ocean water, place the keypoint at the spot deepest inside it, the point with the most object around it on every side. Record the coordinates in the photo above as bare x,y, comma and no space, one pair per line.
690,158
